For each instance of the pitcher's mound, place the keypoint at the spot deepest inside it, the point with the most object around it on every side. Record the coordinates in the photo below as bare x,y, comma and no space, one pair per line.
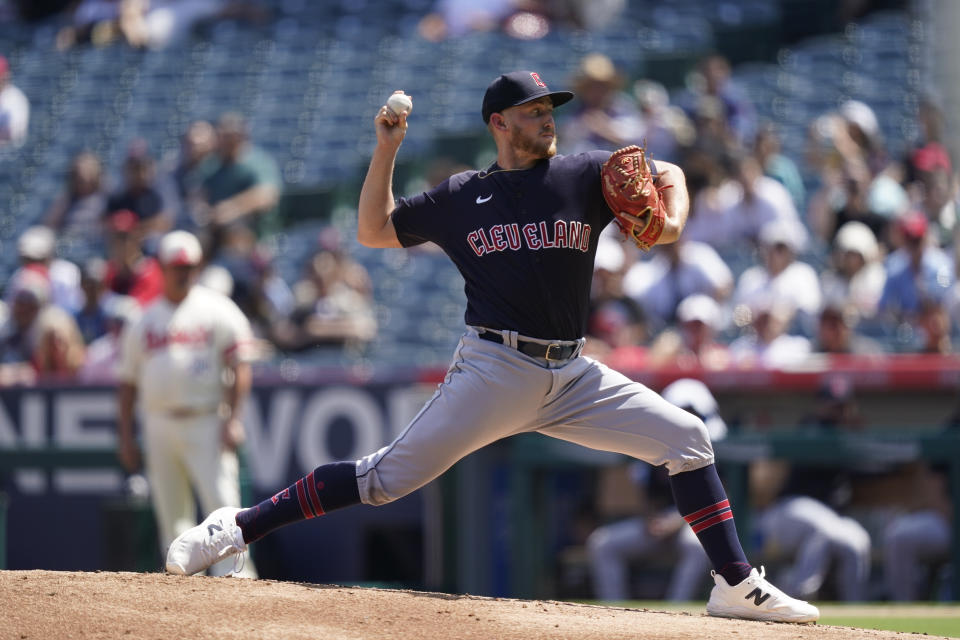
45,605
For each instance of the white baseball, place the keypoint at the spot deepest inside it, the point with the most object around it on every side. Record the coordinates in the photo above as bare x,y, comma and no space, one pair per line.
400,102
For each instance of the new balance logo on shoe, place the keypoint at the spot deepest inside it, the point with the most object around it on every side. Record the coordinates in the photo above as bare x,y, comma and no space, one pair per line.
211,528
759,597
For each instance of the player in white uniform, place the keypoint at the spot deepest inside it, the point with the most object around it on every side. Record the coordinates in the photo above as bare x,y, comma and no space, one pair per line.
187,361
524,234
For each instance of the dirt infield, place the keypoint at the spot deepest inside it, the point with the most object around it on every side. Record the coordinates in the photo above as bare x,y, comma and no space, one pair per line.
47,605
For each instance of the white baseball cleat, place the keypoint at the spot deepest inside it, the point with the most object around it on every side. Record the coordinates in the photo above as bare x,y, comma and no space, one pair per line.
216,538
757,599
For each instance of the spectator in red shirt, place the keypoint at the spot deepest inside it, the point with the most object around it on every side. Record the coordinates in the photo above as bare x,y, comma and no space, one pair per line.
129,271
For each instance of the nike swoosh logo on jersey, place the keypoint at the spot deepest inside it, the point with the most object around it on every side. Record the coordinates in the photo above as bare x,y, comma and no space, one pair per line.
481,200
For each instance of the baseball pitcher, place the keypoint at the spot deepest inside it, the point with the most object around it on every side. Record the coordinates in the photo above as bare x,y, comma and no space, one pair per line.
523,233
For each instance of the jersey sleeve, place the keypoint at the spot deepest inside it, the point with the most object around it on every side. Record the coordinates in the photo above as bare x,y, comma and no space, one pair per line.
236,336
592,162
418,219
597,158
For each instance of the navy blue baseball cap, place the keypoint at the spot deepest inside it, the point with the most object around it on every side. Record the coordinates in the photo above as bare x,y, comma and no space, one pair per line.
518,87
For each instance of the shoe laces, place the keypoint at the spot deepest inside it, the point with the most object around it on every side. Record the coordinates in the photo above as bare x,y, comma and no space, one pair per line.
230,533
220,543
238,562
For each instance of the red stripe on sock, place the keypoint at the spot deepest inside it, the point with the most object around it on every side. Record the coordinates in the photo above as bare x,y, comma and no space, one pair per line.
706,524
693,517
302,497
314,496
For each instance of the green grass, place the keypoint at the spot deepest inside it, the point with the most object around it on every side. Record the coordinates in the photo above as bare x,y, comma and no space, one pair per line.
930,618
931,626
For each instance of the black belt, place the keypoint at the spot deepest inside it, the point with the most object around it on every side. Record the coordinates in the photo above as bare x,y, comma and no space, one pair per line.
552,351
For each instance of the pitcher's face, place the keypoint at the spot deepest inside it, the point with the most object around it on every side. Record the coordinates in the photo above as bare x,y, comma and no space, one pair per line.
532,129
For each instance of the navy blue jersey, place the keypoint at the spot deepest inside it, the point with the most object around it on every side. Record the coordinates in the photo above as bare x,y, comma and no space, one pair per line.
523,240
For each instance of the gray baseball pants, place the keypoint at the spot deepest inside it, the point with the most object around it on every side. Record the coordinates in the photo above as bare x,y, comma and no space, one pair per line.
492,391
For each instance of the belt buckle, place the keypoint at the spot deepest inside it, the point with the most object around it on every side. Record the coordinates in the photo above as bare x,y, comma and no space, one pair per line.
551,346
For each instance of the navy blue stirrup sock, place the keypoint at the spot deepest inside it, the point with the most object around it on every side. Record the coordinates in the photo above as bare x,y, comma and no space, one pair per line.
702,501
325,489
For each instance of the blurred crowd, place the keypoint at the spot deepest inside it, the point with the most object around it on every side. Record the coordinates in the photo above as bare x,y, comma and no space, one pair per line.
62,320
141,24
844,250
155,24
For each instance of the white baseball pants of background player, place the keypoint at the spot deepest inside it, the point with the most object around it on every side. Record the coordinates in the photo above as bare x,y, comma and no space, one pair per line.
613,546
816,536
492,391
183,455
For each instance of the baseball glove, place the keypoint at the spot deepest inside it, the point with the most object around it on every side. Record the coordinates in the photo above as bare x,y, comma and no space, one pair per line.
633,196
